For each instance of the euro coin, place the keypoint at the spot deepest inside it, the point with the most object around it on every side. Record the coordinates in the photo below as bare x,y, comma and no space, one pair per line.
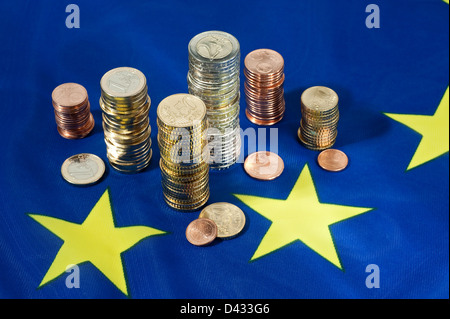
213,76
229,218
71,105
264,93
332,160
264,165
83,169
182,122
201,232
125,105
320,116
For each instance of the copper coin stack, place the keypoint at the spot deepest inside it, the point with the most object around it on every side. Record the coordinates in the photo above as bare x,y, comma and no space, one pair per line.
125,104
264,93
182,125
214,65
72,111
320,116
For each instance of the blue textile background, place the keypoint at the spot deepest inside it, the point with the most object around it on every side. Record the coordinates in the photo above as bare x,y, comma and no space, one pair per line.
400,68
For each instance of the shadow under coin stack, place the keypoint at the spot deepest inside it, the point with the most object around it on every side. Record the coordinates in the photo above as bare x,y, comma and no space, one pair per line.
264,93
214,61
320,116
72,111
125,104
182,125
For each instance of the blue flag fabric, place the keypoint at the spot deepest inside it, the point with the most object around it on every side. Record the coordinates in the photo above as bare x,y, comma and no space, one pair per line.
390,234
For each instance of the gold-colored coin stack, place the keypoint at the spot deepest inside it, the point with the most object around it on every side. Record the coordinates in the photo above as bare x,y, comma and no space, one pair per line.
320,116
125,104
214,62
182,125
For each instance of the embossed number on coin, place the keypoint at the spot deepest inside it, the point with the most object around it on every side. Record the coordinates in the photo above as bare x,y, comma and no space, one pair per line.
214,46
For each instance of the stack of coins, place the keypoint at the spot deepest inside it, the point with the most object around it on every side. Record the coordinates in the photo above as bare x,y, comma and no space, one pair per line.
72,111
182,125
264,93
320,116
125,105
214,61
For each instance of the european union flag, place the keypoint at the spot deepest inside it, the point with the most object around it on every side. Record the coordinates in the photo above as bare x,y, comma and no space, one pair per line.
378,229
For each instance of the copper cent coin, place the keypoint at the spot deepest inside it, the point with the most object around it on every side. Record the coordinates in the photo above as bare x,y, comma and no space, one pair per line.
201,231
69,94
264,165
332,160
72,111
264,61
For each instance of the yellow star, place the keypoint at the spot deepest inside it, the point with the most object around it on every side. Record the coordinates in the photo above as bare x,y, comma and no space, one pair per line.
446,1
300,217
96,240
434,130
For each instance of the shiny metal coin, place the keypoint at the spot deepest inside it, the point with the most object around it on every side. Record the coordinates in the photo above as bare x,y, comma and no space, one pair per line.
332,160
83,169
201,232
264,165
229,218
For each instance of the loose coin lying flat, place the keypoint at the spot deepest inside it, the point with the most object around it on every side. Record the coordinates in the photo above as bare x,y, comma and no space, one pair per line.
264,165
229,218
201,231
83,169
332,160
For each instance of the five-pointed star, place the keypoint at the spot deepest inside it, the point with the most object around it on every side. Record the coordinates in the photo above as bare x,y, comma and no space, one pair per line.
300,217
96,240
434,130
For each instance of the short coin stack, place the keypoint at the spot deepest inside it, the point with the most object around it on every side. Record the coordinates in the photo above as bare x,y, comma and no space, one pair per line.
320,116
264,93
182,125
125,104
214,61
72,111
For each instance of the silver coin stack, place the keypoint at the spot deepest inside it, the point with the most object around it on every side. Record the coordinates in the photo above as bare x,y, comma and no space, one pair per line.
125,104
214,62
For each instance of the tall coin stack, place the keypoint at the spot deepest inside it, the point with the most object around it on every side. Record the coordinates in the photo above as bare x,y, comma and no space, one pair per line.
214,61
320,116
264,93
72,111
125,104
182,125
